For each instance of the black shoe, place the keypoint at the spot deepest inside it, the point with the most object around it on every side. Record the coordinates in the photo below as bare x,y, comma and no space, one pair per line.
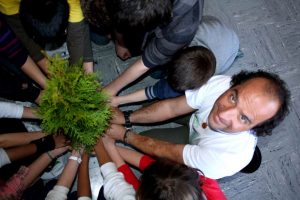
254,163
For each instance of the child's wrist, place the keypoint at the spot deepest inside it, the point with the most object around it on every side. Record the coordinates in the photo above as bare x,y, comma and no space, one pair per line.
50,156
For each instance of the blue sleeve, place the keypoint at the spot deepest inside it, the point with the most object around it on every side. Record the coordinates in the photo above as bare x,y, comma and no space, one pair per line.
161,90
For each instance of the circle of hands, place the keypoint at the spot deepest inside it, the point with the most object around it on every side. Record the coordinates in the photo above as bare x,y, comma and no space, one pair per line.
105,143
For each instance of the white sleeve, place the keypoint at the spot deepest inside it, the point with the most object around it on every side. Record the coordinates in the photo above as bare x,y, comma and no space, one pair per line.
84,198
58,193
207,93
115,186
11,110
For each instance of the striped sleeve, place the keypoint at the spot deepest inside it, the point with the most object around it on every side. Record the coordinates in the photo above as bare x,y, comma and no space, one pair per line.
10,46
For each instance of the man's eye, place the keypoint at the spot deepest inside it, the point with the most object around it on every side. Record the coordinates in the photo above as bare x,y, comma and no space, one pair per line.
244,119
232,98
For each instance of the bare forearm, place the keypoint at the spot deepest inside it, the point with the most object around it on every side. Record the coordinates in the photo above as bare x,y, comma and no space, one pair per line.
131,98
68,175
32,70
101,154
161,111
156,148
40,164
128,76
36,168
114,154
16,139
130,156
17,153
84,188
29,113
43,64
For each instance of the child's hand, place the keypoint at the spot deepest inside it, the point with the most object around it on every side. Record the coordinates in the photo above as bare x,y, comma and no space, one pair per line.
108,141
122,52
60,140
56,152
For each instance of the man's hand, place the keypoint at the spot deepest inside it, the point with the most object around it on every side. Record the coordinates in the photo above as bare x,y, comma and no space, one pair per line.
122,52
116,131
118,116
114,101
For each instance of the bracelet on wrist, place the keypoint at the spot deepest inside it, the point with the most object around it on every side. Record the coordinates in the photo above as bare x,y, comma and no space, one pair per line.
78,159
49,155
126,117
125,137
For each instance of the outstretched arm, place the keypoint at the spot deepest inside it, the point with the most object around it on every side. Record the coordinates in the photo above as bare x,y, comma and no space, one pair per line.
41,163
109,145
148,145
15,186
14,110
84,188
34,72
130,156
129,98
66,179
37,146
129,75
156,112
29,113
112,177
16,139
68,175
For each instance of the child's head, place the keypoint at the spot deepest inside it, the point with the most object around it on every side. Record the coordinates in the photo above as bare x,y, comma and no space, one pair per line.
139,14
168,180
45,20
96,14
191,68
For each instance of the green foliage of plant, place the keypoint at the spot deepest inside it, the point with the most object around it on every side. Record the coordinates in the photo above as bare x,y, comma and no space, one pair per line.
73,104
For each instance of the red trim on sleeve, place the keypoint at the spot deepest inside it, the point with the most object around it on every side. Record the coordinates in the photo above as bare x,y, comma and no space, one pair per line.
129,176
145,162
212,189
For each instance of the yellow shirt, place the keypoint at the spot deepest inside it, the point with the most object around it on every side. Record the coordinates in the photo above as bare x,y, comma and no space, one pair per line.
11,7
76,14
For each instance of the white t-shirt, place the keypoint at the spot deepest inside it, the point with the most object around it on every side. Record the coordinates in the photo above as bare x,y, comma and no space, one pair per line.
216,154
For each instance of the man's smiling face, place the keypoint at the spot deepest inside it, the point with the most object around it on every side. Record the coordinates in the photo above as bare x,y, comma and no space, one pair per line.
243,107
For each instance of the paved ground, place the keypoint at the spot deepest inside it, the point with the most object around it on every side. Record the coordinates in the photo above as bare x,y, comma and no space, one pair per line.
269,32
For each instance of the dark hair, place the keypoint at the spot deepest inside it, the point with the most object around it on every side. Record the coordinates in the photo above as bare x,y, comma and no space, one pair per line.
276,87
168,180
45,20
97,15
191,68
129,15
